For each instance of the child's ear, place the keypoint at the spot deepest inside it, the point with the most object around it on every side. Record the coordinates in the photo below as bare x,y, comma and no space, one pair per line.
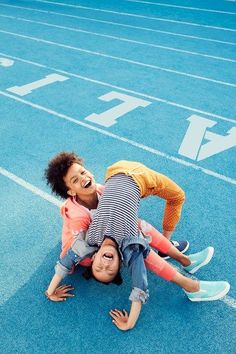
71,193
93,256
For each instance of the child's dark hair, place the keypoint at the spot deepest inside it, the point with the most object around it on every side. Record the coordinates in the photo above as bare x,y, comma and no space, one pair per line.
57,170
88,274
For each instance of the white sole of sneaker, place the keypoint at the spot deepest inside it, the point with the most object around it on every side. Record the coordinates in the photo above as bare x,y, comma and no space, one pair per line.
186,248
213,298
207,260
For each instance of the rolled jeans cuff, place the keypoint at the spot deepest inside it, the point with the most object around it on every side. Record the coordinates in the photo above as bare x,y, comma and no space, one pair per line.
61,270
139,295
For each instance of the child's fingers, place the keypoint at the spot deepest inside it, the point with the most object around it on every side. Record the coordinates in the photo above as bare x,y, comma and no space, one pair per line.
61,287
57,299
125,313
113,314
63,290
61,299
65,287
117,312
68,295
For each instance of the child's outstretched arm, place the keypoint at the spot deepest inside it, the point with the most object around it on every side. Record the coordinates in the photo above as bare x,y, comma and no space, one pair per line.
58,293
134,257
125,321
55,292
79,250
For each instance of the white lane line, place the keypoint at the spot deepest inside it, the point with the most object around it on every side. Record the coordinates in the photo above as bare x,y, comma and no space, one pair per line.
26,271
102,83
121,24
122,39
155,67
125,140
229,301
30,187
182,7
138,16
11,17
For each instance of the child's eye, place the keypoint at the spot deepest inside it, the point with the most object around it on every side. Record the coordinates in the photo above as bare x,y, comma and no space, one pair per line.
83,172
75,180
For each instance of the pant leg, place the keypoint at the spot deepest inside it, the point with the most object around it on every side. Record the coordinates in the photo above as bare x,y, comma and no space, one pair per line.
174,196
159,266
153,183
158,241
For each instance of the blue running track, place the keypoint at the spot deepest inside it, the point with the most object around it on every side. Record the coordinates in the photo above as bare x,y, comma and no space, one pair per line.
141,80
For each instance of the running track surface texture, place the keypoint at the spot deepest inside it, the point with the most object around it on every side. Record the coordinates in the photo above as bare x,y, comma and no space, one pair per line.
152,81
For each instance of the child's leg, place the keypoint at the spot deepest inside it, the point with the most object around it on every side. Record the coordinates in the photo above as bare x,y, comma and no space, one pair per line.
153,183
161,243
158,241
167,189
185,283
160,267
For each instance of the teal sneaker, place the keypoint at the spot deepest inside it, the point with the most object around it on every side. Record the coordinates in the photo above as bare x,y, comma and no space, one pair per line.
199,260
209,291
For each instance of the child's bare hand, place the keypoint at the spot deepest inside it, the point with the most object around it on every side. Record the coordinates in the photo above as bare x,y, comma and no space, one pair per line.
61,293
120,319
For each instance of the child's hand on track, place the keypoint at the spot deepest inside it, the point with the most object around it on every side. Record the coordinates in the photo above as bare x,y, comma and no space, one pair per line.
61,293
120,319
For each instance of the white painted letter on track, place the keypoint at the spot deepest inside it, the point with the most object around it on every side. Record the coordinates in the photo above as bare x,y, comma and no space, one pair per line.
32,86
109,117
192,147
6,62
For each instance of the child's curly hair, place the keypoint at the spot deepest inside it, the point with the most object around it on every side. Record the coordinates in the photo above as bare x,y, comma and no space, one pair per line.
57,170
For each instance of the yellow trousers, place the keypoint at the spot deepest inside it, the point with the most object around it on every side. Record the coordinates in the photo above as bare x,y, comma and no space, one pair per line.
153,183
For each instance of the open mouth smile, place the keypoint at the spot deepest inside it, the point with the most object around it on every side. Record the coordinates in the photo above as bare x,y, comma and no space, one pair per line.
87,184
108,256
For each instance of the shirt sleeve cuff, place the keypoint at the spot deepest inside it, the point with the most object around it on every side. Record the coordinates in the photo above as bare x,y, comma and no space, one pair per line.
61,270
139,295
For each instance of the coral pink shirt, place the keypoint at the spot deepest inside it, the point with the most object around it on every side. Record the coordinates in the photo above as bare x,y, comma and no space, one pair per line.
76,218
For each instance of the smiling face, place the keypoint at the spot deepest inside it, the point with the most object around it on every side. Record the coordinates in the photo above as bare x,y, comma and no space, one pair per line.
80,182
106,262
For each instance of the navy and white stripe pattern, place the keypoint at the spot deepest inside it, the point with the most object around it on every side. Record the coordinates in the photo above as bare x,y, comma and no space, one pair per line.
117,212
